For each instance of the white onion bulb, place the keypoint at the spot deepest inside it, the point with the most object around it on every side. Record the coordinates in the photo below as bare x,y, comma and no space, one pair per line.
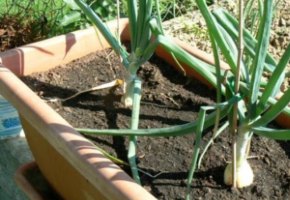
245,175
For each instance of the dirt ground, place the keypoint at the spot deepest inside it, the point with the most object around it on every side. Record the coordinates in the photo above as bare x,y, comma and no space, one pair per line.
168,99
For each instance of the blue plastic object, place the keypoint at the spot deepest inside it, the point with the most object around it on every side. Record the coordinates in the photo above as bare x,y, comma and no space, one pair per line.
10,125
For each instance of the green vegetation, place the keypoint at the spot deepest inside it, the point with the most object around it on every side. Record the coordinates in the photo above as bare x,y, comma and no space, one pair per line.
31,20
143,25
245,103
39,19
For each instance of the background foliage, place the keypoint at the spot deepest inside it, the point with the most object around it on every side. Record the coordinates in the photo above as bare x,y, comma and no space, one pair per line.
25,21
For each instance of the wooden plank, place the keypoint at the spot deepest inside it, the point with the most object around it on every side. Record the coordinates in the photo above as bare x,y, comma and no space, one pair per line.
13,153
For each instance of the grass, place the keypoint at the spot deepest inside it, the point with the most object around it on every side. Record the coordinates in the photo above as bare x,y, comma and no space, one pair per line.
30,21
12,7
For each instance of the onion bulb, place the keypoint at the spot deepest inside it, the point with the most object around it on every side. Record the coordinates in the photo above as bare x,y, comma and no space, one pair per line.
245,175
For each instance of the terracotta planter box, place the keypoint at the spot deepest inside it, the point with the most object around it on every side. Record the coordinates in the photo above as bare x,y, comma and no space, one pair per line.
71,163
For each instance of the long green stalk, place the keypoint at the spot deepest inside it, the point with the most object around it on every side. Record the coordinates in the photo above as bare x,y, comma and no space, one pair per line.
201,67
276,134
159,20
132,15
218,82
213,27
273,111
237,88
184,129
206,147
258,63
230,24
273,83
193,165
134,126
104,30
144,15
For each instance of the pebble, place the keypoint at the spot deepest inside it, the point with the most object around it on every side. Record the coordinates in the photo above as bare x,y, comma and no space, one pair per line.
235,191
275,43
208,190
67,109
267,161
40,93
147,187
282,22
141,155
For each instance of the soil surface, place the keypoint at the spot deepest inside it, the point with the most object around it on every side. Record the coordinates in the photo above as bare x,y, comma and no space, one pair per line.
168,99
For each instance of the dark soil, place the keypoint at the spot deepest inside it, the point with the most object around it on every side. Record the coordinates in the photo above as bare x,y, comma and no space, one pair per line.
168,99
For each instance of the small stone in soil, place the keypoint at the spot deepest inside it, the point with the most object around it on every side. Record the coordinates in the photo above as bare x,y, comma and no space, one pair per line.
147,187
208,190
235,191
282,22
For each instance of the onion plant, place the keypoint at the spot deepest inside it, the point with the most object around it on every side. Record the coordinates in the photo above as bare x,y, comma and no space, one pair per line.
143,27
249,104
258,105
